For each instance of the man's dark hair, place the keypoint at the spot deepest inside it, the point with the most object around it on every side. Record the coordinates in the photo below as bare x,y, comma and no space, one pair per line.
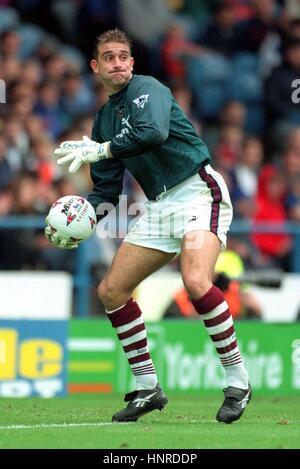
291,42
113,35
295,22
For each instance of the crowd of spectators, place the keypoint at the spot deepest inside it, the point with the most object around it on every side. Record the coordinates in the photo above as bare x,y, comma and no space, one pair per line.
232,66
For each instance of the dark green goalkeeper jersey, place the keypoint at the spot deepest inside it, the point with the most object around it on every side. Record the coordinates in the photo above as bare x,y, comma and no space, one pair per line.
150,136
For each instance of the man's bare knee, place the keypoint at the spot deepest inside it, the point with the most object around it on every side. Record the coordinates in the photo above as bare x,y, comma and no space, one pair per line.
196,286
111,296
102,291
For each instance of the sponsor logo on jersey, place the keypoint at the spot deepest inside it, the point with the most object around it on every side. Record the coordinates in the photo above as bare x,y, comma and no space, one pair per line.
141,100
126,129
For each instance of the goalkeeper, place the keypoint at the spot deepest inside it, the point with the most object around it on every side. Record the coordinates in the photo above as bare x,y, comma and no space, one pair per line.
143,129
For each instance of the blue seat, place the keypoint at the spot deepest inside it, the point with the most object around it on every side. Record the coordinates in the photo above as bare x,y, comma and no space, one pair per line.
74,56
245,62
210,100
209,77
31,37
247,87
255,119
208,68
246,84
9,19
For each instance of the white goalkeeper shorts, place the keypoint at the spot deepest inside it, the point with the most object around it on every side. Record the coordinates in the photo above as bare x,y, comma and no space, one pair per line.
201,202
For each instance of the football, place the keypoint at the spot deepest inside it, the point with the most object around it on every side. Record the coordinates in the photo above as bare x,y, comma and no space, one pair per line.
73,218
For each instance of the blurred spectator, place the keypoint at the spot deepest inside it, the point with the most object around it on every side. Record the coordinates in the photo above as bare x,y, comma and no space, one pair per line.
5,3
244,178
283,113
228,150
23,251
51,96
252,32
146,22
11,69
93,17
183,96
251,256
292,8
64,186
46,48
291,162
77,99
6,202
229,272
233,113
66,11
84,124
175,51
50,109
32,72
22,108
42,162
9,44
25,195
221,34
290,165
21,90
39,12
246,171
293,199
55,67
293,139
8,254
200,11
293,28
270,208
242,303
100,97
242,9
6,171
34,125
17,142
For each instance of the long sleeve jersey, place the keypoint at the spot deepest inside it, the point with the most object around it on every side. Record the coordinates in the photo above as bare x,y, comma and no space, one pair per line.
150,136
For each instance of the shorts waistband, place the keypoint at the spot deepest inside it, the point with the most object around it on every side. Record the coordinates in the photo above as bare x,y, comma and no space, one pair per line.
166,191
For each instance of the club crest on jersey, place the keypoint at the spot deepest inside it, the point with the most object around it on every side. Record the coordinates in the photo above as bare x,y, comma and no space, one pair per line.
141,100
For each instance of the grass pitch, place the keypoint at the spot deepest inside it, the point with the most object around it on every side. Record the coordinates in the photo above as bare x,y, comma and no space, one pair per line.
83,421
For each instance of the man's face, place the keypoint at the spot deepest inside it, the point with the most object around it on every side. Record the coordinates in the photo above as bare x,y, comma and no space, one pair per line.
293,56
114,65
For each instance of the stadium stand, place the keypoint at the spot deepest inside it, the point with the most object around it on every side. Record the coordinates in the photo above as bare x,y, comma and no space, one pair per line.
215,60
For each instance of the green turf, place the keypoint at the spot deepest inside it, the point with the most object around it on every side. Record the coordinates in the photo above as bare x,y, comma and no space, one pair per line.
187,422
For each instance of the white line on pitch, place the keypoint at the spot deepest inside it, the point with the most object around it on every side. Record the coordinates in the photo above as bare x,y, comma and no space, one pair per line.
60,425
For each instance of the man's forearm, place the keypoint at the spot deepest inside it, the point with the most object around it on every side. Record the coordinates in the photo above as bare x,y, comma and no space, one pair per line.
137,142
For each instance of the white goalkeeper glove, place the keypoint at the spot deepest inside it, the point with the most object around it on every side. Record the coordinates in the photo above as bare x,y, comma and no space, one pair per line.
57,240
82,151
